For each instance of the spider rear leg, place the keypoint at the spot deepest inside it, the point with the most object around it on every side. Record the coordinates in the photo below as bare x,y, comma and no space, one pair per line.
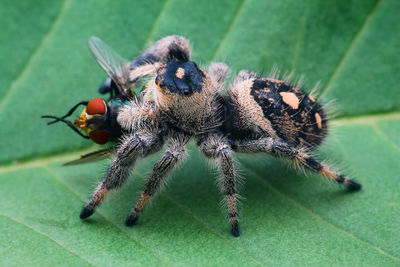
138,144
169,48
172,157
216,147
279,148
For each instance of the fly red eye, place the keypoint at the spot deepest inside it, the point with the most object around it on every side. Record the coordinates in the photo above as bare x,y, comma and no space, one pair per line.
96,106
99,137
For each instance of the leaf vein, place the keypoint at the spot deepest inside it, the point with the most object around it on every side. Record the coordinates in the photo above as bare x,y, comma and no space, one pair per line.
45,235
156,22
69,188
300,38
318,217
35,54
384,137
367,118
350,48
229,29
209,228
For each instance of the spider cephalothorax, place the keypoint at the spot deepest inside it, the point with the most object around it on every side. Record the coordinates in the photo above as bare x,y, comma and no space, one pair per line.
181,101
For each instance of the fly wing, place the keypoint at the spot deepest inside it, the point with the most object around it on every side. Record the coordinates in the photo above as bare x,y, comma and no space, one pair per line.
113,64
92,156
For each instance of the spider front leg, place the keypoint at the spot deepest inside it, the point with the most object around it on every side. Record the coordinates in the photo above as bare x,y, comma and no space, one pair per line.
215,146
279,148
138,144
172,157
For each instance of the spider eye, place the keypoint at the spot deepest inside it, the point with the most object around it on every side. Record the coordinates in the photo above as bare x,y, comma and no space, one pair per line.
187,92
99,137
96,106
158,80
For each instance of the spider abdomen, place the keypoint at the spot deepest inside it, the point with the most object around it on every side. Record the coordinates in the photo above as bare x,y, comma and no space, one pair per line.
295,116
278,109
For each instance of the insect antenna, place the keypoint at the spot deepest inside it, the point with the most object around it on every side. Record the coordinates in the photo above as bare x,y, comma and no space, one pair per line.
66,115
70,124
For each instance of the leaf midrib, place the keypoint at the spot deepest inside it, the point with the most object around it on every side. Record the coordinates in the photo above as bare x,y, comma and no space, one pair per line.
63,157
208,228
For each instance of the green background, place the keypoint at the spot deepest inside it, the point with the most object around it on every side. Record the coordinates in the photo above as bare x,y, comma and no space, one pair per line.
286,218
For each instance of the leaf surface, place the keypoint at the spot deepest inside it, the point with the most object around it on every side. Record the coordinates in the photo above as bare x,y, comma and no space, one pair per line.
286,217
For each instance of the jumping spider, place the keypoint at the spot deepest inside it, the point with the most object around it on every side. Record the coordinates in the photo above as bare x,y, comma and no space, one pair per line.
182,101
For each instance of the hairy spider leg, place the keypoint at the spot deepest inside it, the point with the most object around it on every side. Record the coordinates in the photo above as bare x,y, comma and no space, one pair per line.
169,48
174,154
214,146
282,149
140,144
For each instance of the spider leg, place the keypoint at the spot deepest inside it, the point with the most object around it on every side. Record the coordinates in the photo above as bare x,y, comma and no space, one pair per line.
136,145
174,154
244,75
215,146
169,48
279,148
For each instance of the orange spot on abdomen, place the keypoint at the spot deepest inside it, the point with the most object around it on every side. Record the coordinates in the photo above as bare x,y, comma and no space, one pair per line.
291,99
318,120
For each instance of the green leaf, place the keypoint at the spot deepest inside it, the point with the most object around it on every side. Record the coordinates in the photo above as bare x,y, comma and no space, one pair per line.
286,218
